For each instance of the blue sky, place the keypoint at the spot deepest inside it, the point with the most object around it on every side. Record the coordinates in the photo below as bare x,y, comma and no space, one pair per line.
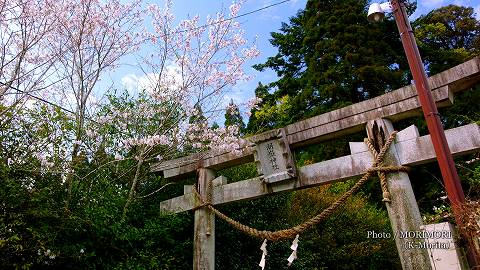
259,26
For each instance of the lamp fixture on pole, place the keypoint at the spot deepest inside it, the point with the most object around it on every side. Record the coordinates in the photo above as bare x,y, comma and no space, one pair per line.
376,11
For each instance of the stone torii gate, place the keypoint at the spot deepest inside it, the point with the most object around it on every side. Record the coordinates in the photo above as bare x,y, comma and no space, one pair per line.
271,151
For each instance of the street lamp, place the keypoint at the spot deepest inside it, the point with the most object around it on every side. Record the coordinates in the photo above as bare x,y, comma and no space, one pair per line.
376,13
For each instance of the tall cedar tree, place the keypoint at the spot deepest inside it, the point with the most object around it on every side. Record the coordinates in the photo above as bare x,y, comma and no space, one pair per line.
447,36
330,56
233,117
257,124
197,119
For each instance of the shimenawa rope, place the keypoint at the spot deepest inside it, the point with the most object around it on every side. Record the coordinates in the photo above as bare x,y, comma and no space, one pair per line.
377,167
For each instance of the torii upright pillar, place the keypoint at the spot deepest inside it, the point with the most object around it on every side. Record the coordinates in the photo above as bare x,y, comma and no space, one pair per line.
204,227
402,209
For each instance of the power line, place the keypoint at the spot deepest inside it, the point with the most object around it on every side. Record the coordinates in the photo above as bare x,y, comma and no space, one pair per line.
39,98
232,18
46,101
177,32
260,9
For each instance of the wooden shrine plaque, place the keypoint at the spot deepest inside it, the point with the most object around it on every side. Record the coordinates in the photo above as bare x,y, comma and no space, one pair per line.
273,159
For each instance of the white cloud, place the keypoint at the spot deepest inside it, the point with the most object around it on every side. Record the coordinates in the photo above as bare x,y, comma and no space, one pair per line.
130,82
67,99
171,77
235,96
134,83
30,103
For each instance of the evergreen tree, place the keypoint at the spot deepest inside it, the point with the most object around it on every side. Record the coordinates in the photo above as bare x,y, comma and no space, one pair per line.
255,123
447,36
199,120
215,125
330,56
233,117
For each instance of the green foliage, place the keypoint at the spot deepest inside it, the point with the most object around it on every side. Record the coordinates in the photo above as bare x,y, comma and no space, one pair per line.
447,36
27,131
273,113
234,118
343,236
329,56
256,124
38,232
236,250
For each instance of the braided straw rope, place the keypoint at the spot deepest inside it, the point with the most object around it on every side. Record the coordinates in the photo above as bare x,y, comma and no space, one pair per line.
381,174
292,232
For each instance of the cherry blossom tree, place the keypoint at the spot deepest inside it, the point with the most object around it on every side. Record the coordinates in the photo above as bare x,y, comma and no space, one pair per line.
194,65
191,68
25,62
92,36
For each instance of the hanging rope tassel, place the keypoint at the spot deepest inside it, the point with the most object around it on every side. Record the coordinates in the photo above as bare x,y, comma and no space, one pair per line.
263,248
294,247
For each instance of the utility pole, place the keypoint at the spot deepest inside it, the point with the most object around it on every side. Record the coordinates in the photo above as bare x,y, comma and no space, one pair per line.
444,157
